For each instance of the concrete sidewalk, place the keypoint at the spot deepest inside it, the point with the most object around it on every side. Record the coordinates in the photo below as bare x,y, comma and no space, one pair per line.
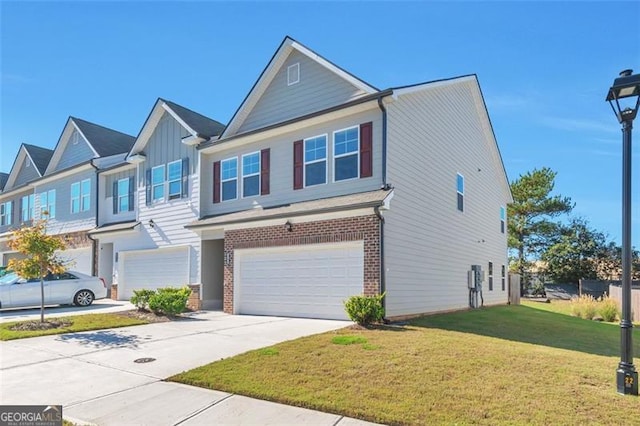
94,376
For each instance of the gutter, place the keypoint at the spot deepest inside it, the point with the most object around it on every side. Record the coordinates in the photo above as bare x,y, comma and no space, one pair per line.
94,242
383,280
384,142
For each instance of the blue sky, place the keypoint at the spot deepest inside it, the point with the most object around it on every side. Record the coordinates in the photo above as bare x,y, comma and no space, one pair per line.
544,68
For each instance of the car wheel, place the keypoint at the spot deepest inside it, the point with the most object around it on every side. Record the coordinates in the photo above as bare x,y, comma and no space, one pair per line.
83,298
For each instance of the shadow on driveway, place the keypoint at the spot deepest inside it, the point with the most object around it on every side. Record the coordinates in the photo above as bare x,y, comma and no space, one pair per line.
104,339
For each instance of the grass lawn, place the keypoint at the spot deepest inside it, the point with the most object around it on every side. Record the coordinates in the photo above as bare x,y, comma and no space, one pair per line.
506,365
77,323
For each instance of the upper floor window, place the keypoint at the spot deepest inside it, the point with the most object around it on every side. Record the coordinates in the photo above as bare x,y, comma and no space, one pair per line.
229,179
345,154
26,207
293,74
6,210
157,183
123,200
174,176
251,174
503,218
81,196
315,160
460,188
48,203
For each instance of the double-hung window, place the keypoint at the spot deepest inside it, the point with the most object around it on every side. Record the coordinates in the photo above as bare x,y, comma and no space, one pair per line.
157,183
123,195
174,174
345,154
460,188
6,210
315,160
80,196
48,203
26,207
229,178
503,218
251,174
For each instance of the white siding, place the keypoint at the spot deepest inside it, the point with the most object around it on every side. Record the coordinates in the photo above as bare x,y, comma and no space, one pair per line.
281,167
429,244
317,89
76,151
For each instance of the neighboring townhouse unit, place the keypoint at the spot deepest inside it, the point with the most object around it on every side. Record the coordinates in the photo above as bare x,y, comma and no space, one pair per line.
323,186
146,202
64,189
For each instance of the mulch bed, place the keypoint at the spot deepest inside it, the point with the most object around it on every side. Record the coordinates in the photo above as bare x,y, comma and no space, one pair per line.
37,325
147,316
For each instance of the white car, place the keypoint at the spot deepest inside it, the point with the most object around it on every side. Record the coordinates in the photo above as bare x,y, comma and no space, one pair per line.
59,289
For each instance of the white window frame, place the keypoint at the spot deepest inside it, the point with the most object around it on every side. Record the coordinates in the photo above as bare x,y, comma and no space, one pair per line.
6,213
293,74
179,180
357,153
222,180
48,204
125,195
72,197
160,184
458,192
83,195
31,201
503,220
306,163
251,174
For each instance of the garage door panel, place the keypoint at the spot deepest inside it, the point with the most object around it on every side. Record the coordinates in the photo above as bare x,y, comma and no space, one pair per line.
80,259
152,269
306,281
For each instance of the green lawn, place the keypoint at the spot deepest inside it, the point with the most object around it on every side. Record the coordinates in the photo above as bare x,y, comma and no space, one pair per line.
500,365
77,323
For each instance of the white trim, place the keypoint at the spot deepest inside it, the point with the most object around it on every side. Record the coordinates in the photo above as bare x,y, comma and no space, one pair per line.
164,175
258,173
334,156
305,162
178,119
136,158
457,190
95,153
192,140
178,180
222,180
291,77
432,85
83,195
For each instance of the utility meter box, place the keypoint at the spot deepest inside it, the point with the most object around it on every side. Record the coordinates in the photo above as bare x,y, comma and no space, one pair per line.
475,277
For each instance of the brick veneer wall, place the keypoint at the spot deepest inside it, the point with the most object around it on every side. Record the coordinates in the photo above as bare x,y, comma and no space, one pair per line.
360,228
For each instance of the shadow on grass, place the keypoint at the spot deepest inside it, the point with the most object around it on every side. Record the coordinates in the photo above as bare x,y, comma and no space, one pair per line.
529,325
103,339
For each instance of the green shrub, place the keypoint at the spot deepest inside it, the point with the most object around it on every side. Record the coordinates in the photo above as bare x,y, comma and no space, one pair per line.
584,306
608,309
365,310
140,298
170,300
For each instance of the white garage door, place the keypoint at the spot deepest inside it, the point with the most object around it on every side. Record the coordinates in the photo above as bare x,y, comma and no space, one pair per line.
81,259
152,269
299,281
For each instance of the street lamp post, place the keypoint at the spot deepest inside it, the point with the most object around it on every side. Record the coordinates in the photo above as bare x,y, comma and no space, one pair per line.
627,86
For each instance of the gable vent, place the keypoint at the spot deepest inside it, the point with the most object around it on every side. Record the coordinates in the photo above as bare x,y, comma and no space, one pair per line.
293,74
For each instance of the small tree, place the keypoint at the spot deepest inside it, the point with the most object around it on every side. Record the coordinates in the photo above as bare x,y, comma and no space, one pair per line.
40,250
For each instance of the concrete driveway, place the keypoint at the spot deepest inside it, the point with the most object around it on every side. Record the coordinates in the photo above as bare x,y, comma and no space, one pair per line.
95,377
97,307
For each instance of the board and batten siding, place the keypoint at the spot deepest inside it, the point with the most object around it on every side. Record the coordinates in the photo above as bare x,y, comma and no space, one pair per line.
317,89
281,167
106,203
429,245
27,173
76,151
65,221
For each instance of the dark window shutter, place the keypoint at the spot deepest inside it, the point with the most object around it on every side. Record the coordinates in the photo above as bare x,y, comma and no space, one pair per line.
115,197
366,150
264,171
185,177
148,186
132,190
216,182
298,165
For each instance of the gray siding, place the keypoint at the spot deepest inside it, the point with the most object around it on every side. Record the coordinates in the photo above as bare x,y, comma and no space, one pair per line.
75,152
110,179
27,173
429,244
16,213
317,89
281,167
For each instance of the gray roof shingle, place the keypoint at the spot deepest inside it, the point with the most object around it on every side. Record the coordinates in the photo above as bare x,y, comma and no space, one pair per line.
40,156
204,126
3,180
105,141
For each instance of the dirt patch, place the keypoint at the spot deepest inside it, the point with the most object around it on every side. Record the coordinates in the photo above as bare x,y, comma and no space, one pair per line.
146,315
37,325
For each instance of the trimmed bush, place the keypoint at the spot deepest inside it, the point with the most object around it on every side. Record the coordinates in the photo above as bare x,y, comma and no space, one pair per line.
608,309
169,300
140,298
365,310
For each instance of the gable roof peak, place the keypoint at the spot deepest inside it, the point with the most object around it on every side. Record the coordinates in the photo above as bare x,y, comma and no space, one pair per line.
204,126
104,141
40,156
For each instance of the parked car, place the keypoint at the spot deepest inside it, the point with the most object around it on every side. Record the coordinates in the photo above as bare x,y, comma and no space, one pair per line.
70,287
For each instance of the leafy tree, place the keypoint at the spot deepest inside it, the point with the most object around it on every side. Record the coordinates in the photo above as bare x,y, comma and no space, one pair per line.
40,250
530,217
575,252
